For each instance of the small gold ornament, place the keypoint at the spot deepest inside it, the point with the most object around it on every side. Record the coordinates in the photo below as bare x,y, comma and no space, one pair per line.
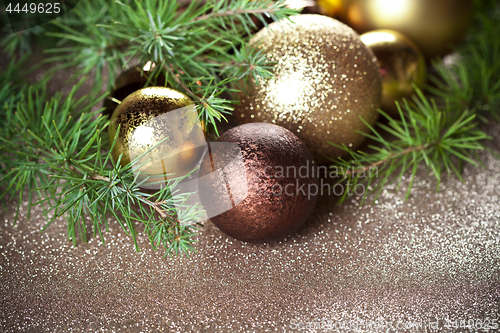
434,25
401,65
165,120
325,79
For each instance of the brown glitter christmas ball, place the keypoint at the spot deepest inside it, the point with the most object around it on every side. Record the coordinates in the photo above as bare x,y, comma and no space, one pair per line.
162,124
401,63
434,25
325,79
274,182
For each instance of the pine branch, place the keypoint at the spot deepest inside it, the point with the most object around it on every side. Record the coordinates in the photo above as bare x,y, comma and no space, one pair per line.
425,134
392,156
197,41
155,204
20,42
58,151
232,13
442,131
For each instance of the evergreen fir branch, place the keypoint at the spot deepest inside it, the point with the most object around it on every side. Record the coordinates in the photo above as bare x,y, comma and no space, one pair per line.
20,42
248,64
189,44
474,80
442,131
425,134
13,83
58,150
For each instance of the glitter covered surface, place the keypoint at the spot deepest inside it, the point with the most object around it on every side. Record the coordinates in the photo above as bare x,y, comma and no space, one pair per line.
434,256
325,80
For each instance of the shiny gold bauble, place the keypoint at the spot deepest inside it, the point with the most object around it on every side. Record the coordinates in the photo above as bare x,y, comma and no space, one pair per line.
325,79
434,25
158,126
129,81
401,65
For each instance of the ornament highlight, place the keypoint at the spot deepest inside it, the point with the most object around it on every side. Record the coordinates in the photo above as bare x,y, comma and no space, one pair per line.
159,126
325,79
401,65
434,25
276,173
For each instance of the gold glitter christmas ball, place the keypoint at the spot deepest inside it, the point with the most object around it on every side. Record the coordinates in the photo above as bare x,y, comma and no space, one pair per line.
434,25
401,65
325,79
161,123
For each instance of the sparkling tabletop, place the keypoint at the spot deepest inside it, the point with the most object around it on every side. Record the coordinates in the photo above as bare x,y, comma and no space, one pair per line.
433,259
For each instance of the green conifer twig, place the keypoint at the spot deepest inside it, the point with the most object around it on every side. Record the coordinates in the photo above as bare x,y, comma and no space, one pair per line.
57,151
442,130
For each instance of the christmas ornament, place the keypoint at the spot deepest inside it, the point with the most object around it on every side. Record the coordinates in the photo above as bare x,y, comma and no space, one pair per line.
277,171
434,25
401,65
331,8
160,126
325,80
129,81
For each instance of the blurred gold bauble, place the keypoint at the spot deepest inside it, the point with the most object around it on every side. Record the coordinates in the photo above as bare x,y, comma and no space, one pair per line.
331,8
162,118
401,65
325,79
434,25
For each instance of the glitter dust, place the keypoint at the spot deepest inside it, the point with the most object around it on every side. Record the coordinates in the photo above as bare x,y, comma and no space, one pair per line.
434,256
